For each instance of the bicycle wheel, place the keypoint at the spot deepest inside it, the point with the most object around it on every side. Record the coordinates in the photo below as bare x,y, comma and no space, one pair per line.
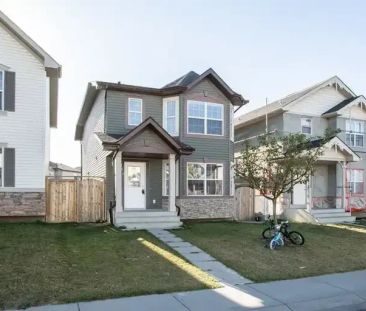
268,233
273,244
296,238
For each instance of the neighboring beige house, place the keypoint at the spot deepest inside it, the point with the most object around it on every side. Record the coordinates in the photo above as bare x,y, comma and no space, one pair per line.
338,186
59,170
28,109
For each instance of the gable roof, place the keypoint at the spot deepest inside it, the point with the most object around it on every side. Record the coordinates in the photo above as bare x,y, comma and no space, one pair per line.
184,80
48,61
53,69
63,167
348,102
280,105
175,87
112,143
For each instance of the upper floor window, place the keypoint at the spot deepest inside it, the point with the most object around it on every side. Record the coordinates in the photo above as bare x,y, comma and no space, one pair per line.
306,126
2,82
354,133
134,111
355,181
171,115
204,179
205,118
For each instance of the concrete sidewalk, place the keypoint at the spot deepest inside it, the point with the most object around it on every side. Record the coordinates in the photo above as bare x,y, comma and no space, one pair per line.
345,291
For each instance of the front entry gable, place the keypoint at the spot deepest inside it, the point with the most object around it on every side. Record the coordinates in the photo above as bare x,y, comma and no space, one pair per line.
337,150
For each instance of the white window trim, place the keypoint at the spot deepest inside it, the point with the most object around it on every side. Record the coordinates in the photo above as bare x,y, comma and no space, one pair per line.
351,179
205,179
354,133
165,114
164,189
2,108
232,130
311,125
232,178
205,118
128,110
2,166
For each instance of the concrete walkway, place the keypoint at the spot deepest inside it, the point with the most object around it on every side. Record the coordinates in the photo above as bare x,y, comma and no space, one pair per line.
200,259
338,292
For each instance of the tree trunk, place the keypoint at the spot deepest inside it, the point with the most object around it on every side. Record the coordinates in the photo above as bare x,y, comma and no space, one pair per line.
274,203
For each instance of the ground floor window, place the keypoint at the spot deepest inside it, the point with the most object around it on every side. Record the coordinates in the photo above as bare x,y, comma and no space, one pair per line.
166,178
355,181
204,179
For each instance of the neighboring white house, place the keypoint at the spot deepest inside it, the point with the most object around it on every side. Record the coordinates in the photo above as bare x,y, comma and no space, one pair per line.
28,108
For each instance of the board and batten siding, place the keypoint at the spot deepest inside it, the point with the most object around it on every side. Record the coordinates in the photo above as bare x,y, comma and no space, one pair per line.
27,128
117,110
93,156
209,149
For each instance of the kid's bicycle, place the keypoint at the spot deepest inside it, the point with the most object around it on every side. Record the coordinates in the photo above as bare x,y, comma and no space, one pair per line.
284,228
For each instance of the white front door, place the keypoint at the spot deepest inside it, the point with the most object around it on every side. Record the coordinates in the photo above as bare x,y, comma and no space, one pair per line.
299,196
135,185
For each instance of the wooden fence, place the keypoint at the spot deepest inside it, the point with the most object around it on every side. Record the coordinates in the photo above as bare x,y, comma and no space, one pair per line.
75,200
244,203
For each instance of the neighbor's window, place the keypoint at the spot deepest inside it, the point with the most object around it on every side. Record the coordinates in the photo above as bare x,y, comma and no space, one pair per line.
134,111
171,115
306,126
204,179
2,82
205,118
355,180
354,133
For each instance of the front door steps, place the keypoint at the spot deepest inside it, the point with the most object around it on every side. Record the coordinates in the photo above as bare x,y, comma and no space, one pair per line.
147,219
333,216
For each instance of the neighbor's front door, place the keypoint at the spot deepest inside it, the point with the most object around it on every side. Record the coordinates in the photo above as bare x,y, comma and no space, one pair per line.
135,185
299,194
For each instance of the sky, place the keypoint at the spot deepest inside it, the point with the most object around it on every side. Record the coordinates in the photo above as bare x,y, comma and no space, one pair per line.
260,48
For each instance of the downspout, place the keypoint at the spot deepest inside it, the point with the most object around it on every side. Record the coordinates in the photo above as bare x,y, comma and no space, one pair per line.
81,160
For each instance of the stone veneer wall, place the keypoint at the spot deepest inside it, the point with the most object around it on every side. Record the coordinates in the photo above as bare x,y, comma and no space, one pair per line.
206,208
22,204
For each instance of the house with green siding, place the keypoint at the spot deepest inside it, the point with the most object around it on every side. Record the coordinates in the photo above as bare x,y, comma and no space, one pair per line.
166,153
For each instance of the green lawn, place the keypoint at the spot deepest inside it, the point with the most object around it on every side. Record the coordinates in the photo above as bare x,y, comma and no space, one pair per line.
44,263
239,246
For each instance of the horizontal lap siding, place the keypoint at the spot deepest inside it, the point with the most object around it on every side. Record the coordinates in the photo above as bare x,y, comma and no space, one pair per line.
27,128
117,110
216,149
93,156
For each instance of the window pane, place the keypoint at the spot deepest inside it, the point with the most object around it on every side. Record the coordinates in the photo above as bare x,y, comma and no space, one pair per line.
134,176
214,171
214,187
214,111
166,172
134,105
214,127
196,109
170,109
306,130
348,139
196,126
134,118
359,140
170,125
196,171
1,80
358,187
196,187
